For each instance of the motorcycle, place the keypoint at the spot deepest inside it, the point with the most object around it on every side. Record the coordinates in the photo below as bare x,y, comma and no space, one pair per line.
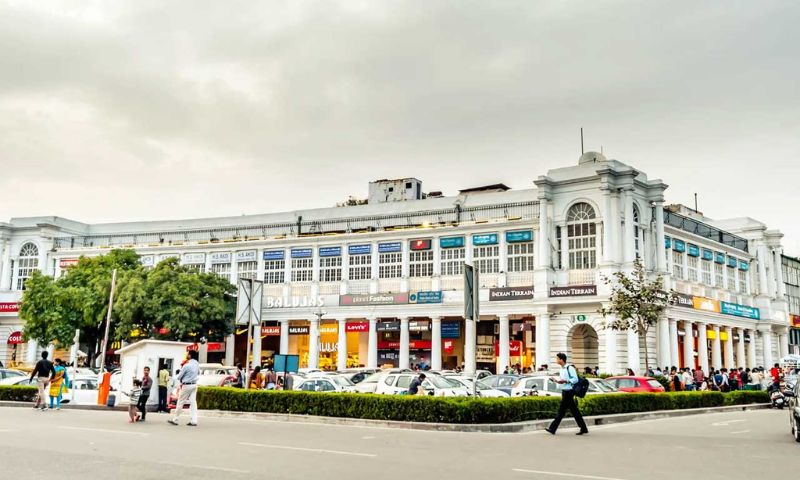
776,397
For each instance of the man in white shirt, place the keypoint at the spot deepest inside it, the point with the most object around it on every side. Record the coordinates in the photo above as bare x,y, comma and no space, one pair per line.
688,380
187,377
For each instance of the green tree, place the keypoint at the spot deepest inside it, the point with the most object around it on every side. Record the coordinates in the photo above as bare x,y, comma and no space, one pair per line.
636,303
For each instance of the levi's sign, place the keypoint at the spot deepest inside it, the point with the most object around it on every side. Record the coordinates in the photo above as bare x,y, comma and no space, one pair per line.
510,293
575,291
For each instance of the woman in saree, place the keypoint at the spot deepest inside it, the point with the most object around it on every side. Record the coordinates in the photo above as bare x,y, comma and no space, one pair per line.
59,384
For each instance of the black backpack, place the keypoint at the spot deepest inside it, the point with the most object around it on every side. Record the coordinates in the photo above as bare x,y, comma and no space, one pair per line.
582,386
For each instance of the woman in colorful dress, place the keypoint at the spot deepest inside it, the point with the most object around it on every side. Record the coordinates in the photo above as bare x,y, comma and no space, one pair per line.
59,384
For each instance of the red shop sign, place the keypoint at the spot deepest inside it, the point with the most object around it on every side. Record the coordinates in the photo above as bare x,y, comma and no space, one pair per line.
67,262
356,327
412,345
514,348
15,338
449,345
795,320
212,347
9,307
271,331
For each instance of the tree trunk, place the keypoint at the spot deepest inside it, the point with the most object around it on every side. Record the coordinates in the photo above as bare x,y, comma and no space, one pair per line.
646,353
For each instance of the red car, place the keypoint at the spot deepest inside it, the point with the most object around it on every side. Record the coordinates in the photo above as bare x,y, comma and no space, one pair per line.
636,384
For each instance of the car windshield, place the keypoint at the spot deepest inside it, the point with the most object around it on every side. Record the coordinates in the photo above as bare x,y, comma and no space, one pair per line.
441,382
654,383
604,386
372,378
506,381
483,384
342,381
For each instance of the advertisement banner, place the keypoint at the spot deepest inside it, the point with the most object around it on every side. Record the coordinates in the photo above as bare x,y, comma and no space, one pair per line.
510,293
9,307
795,320
302,253
423,244
351,327
390,247
274,254
519,236
359,249
271,331
740,310
67,262
352,300
514,348
412,345
683,300
390,326
448,346
330,251
425,297
576,291
451,242
419,326
247,256
484,239
706,304
451,329
220,257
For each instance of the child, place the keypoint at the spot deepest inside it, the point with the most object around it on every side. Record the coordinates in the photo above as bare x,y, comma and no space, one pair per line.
134,395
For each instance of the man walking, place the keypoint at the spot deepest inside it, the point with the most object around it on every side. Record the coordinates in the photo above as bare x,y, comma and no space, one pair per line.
163,383
568,378
188,379
147,384
43,371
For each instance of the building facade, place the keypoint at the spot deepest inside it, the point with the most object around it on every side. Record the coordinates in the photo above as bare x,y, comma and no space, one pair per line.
381,283
791,280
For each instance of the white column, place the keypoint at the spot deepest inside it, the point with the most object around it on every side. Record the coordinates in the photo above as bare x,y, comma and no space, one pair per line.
287,271
372,343
504,354
607,231
634,363
751,351
716,347
762,258
469,346
611,365
729,348
766,336
436,343
673,342
256,345
783,345
30,354
661,249
616,232
779,276
405,361
230,345
629,255
373,284
284,342
688,345
702,347
664,354
341,348
564,246
740,360
543,258
543,339
313,342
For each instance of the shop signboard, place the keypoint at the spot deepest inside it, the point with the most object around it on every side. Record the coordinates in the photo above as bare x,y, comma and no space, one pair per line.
421,244
706,304
213,347
293,302
328,328
708,254
419,326
220,257
391,326
9,307
694,250
330,251
484,239
389,247
353,300
740,310
683,300
574,291
519,236
732,262
164,256
146,260
719,257
667,242
484,353
514,348
388,356
510,293
274,254
247,256
271,331
15,338
194,258
451,329
795,320
354,327
678,245
302,253
365,249
412,345
744,265
451,242
298,330
425,297
67,262
448,346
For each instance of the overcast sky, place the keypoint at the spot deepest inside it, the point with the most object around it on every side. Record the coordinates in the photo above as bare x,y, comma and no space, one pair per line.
143,111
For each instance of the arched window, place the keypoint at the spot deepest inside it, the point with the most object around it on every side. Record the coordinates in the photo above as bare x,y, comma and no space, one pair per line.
636,236
582,237
28,262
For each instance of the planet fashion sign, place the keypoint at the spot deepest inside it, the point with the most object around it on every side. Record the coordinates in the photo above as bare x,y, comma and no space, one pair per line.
373,299
293,302
510,293
576,291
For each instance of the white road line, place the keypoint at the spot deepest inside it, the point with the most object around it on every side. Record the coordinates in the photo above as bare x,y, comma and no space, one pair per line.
740,431
204,467
725,423
7,430
103,430
301,449
559,474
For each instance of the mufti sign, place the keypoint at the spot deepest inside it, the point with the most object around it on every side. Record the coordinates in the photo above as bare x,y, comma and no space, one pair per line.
574,291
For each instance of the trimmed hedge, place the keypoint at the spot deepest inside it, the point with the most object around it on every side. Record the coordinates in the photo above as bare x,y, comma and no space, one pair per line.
455,410
18,393
745,397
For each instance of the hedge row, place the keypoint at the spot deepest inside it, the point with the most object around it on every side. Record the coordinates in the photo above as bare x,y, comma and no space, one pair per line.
456,410
18,393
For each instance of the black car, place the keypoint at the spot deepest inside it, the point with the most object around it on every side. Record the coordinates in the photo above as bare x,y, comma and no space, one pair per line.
794,409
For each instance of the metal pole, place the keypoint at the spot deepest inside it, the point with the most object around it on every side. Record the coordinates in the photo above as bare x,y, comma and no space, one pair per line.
108,320
248,348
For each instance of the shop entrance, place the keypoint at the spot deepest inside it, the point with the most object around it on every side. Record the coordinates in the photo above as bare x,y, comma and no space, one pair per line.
583,345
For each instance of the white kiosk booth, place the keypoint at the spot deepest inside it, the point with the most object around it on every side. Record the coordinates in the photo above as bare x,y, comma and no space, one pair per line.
148,353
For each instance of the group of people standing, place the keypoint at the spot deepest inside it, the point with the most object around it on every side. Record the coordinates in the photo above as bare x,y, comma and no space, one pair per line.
52,380
718,380
260,379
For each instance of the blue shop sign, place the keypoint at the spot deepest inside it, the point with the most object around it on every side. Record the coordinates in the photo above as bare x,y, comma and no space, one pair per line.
425,297
719,258
274,254
667,242
389,247
744,265
302,253
484,239
519,236
330,251
359,249
451,242
451,330
740,310
732,262
708,254
694,250
678,245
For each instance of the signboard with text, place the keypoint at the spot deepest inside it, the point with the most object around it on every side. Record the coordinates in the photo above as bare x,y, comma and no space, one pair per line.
574,291
353,300
9,307
510,293
425,297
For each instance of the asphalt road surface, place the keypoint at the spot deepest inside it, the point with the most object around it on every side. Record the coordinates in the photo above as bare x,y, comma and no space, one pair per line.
75,444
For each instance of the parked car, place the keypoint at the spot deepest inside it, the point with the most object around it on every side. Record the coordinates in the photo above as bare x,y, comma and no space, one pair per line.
9,373
793,396
357,375
216,375
436,385
22,380
599,385
635,384
331,383
538,386
504,382
83,390
370,384
481,390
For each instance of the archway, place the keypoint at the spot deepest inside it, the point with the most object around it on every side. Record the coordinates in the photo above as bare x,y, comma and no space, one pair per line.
583,346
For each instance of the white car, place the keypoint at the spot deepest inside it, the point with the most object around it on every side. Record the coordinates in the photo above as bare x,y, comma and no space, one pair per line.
435,385
482,390
216,375
327,383
358,375
83,391
545,386
370,384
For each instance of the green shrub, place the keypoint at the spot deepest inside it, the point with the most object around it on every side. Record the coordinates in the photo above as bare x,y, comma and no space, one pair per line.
664,381
744,397
18,393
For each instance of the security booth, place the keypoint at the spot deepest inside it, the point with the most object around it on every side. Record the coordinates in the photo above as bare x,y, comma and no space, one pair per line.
155,354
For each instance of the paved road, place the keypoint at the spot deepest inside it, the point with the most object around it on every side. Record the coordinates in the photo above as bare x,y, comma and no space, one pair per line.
88,444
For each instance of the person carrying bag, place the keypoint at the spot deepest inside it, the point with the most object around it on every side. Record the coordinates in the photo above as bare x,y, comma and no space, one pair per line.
574,386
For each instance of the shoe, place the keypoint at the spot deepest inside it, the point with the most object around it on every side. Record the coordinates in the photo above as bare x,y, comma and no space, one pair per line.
190,424
551,432
174,422
583,432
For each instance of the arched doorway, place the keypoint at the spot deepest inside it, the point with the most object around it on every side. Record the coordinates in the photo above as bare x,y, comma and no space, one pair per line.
583,346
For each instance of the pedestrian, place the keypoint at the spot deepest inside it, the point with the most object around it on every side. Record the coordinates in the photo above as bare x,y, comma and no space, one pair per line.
239,376
688,380
134,395
416,384
726,381
271,380
676,380
657,372
569,378
188,379
588,371
629,372
43,371
733,379
163,386
256,381
775,374
147,384
744,376
699,376
58,384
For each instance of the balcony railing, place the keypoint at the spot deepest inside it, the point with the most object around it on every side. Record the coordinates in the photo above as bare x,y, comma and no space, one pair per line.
581,277
519,279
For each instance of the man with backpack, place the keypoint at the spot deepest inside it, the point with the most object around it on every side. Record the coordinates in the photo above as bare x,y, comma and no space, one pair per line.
574,386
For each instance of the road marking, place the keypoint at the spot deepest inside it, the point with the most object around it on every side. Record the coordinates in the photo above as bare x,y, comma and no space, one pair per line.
204,467
559,474
740,431
103,430
7,430
725,423
367,438
301,449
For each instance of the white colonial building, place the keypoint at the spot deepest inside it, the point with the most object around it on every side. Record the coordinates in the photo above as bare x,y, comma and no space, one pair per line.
381,283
